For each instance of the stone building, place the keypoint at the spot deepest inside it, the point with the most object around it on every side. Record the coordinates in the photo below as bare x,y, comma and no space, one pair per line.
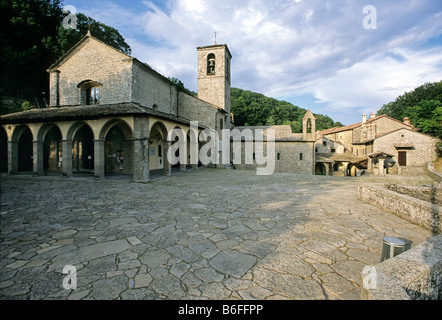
386,144
334,159
294,152
111,114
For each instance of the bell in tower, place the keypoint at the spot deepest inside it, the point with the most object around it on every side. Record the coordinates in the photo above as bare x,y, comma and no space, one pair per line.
211,64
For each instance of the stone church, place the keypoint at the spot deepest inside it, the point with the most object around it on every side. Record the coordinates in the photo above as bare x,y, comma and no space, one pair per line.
111,114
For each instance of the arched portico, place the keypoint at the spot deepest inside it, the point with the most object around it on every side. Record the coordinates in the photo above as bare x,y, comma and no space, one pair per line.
83,153
20,150
3,150
116,138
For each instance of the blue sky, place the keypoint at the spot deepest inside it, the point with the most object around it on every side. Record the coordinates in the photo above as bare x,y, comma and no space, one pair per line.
313,53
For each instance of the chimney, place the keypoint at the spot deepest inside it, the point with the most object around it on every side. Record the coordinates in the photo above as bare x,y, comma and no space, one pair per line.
407,121
364,118
373,115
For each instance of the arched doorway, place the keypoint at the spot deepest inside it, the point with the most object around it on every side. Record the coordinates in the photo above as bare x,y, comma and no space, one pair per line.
25,149
3,150
119,149
83,150
320,169
157,147
52,151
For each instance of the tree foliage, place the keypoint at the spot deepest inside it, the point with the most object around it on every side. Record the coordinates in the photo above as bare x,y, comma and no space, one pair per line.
32,38
423,106
255,109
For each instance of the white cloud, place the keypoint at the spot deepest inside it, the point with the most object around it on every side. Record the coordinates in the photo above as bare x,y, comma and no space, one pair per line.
283,48
380,79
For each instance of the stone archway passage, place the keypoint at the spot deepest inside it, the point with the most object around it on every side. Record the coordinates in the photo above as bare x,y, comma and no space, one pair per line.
52,151
119,150
3,150
83,150
25,151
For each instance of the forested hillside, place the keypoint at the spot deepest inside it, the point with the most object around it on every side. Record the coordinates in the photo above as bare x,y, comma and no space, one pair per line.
423,106
255,109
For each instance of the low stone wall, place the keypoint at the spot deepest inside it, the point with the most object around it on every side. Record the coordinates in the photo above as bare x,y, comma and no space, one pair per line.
436,176
427,193
413,275
422,213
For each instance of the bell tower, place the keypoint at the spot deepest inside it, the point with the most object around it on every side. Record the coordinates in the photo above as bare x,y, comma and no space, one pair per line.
214,75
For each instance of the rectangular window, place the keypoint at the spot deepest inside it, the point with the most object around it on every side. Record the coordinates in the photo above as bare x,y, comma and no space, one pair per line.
278,156
301,156
93,96
333,150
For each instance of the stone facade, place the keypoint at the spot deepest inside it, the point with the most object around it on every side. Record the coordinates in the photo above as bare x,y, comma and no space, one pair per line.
109,114
293,154
383,134
214,75
92,60
112,114
418,149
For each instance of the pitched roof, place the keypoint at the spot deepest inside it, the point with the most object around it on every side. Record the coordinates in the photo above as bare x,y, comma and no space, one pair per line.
356,125
283,133
85,112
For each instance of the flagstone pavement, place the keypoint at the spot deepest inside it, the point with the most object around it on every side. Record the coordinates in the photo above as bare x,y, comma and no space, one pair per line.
203,234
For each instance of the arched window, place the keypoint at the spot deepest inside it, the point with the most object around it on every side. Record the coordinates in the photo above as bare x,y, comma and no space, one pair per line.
211,64
90,92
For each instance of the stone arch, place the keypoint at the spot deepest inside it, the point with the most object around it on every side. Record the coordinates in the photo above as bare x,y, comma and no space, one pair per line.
158,146
211,64
320,168
22,149
83,150
90,92
3,150
52,148
118,147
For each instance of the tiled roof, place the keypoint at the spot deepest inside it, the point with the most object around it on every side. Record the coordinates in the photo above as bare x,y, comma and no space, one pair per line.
85,112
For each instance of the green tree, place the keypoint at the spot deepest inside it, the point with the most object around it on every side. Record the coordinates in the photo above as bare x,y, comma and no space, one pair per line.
420,105
255,109
32,38
24,24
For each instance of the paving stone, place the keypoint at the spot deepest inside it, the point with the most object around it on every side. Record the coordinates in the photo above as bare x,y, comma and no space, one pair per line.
155,258
104,249
142,281
233,263
230,234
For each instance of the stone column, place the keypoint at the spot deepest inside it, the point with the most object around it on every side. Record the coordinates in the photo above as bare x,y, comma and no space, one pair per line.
141,160
99,158
67,158
381,167
167,165
38,160
327,169
370,165
12,157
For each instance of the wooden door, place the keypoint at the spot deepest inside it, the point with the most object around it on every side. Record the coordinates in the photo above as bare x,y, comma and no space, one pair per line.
403,158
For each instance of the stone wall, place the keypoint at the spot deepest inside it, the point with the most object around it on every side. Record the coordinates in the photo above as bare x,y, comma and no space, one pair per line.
153,91
287,158
194,109
422,213
423,149
413,275
96,61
